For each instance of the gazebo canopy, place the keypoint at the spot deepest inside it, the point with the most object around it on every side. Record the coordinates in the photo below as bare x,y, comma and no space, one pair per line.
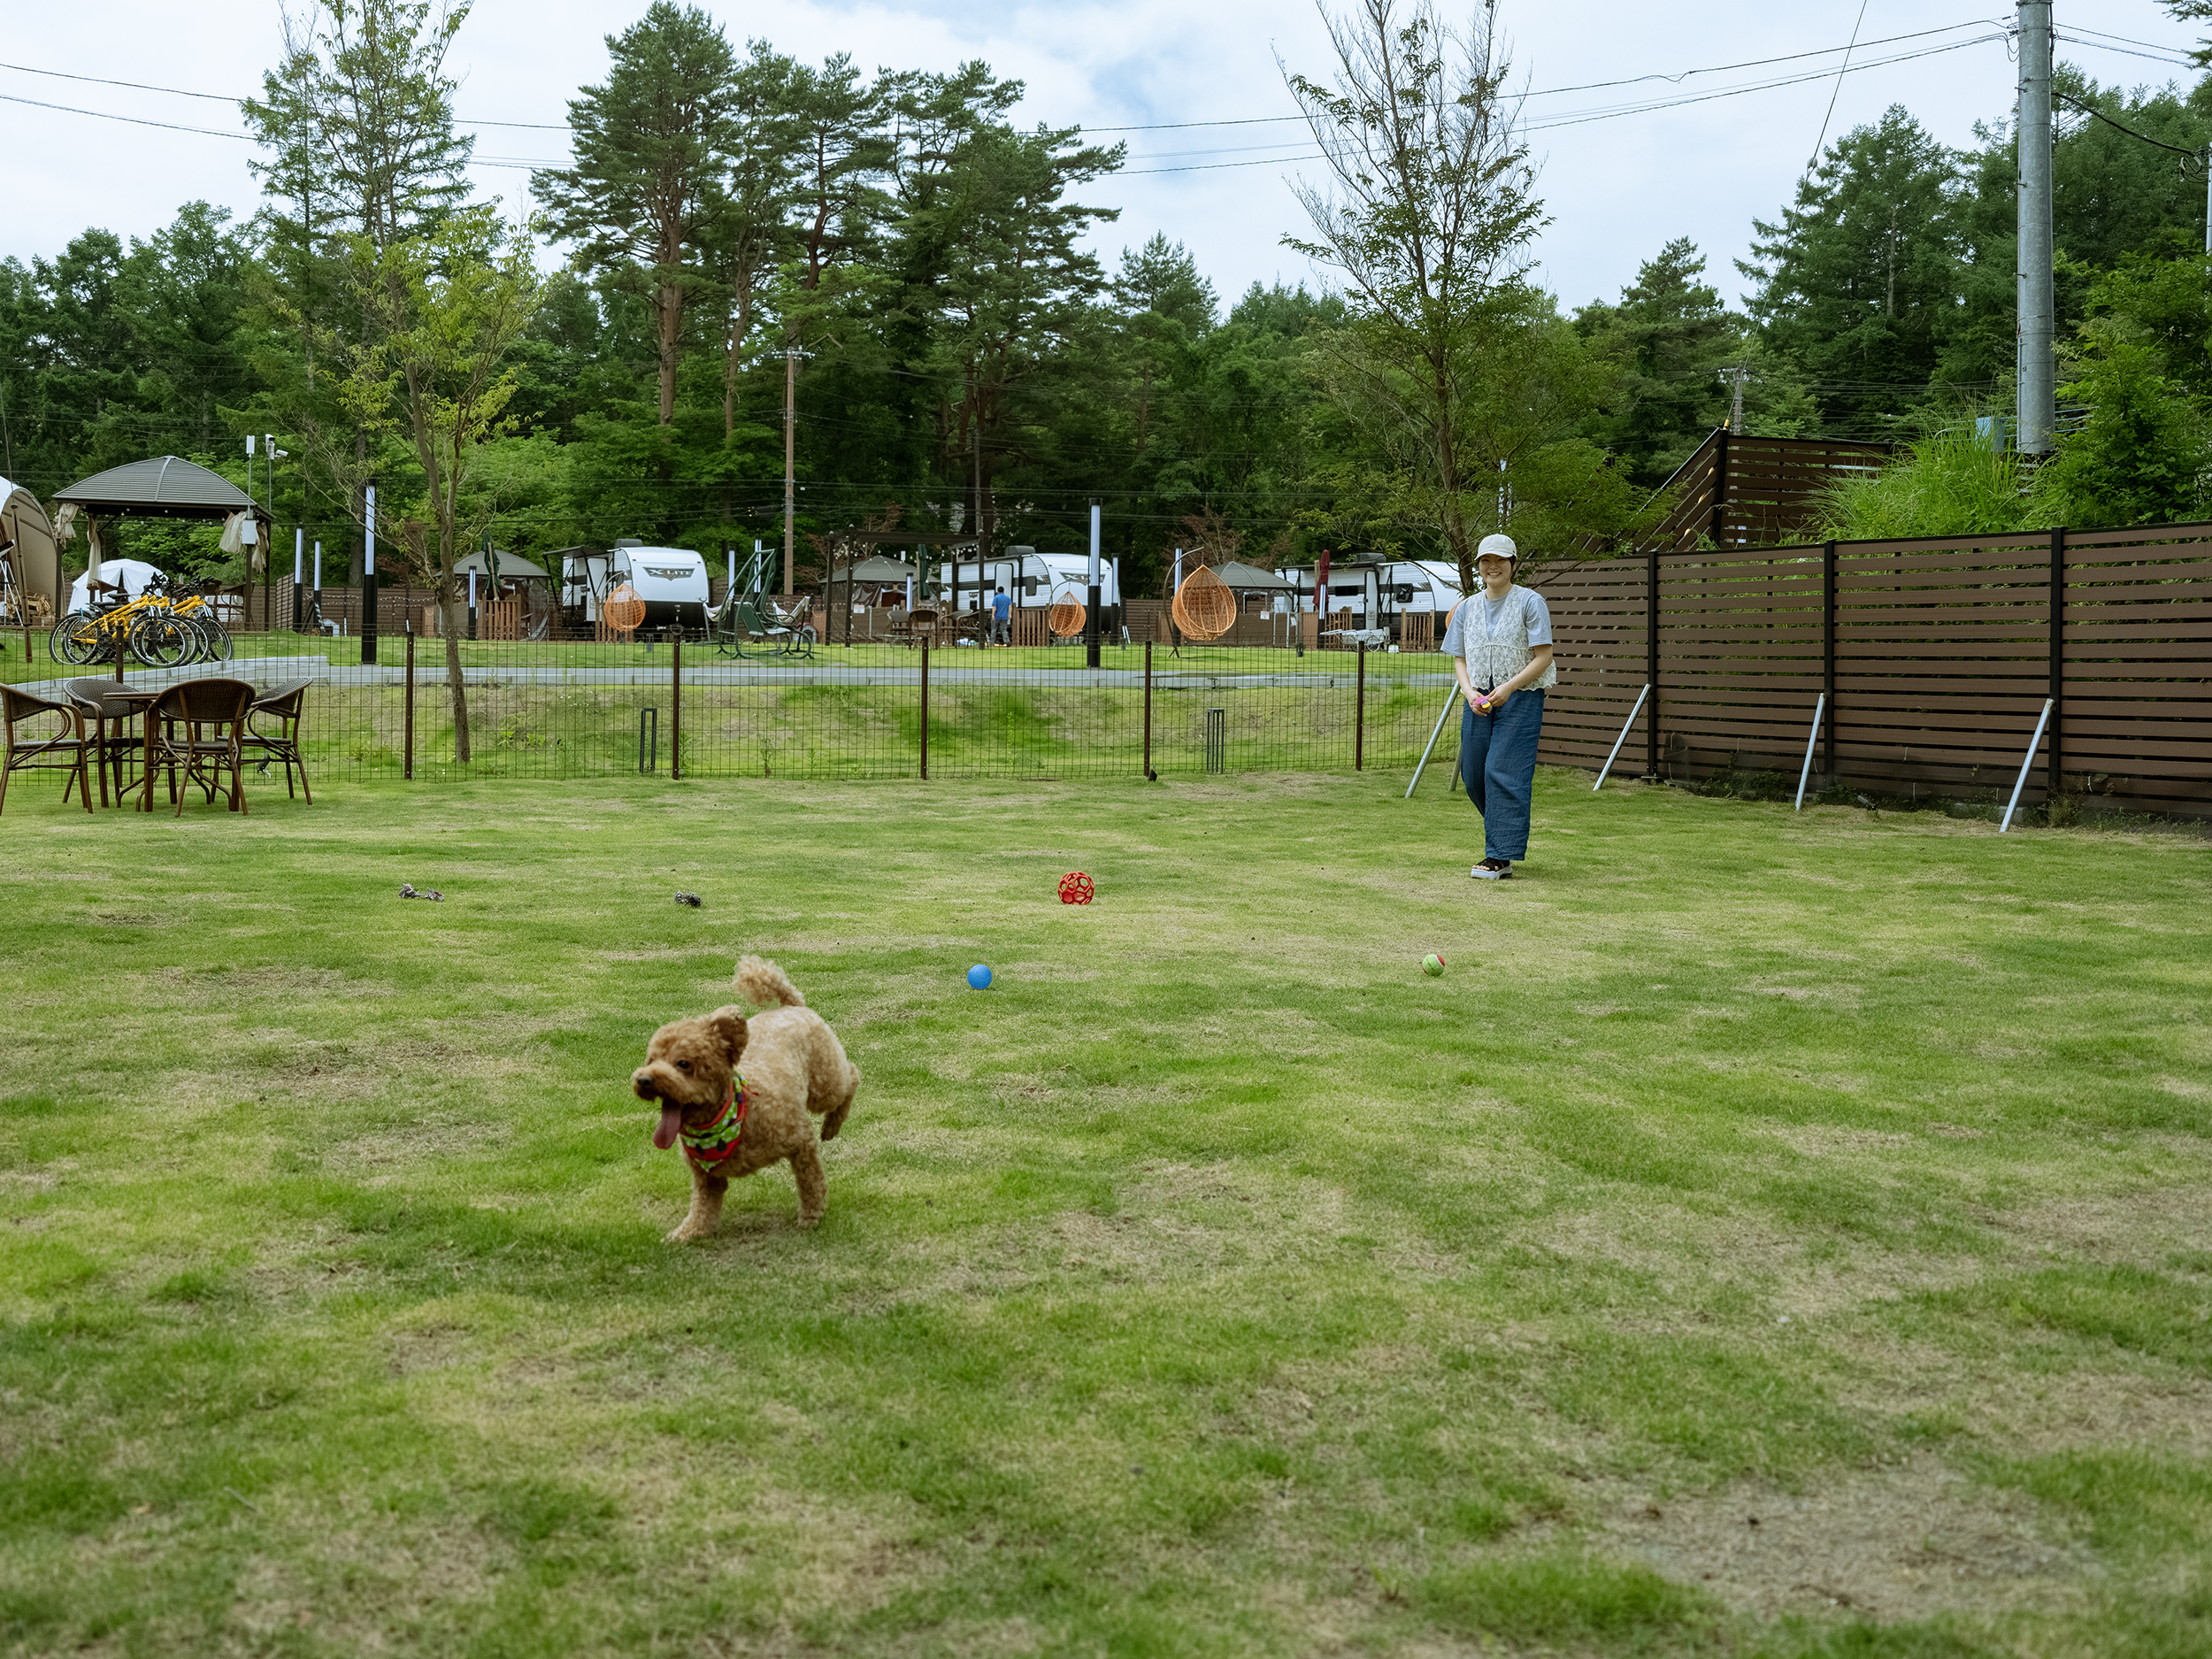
876,568
27,540
512,567
1250,577
166,486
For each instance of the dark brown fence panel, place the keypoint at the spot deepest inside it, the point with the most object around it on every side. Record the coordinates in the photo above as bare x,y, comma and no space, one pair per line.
1943,654
1599,629
1740,646
2137,711
1738,491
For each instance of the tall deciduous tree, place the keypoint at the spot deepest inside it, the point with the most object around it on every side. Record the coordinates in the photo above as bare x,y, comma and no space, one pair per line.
1462,374
652,147
357,120
449,304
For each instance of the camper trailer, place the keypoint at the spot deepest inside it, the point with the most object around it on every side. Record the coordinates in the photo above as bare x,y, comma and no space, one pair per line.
1032,579
1381,591
672,581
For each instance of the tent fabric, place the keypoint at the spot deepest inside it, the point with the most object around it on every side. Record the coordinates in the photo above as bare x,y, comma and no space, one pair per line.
164,486
876,568
512,567
1250,577
132,575
28,541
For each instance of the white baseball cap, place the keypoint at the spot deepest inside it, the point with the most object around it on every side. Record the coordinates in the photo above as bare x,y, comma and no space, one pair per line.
1497,547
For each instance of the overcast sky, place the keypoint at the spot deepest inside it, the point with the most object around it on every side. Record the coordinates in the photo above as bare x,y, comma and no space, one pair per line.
1618,189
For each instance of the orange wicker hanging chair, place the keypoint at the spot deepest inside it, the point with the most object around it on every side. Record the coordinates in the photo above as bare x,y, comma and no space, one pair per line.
1067,615
1204,605
623,610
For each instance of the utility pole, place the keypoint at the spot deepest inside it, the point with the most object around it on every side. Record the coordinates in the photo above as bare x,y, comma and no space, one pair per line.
790,450
1091,620
2037,365
1735,411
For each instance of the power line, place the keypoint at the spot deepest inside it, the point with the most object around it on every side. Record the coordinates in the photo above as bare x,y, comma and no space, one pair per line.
2163,54
1838,93
2090,109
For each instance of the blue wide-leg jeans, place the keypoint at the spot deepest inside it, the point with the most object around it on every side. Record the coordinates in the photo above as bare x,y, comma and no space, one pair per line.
1497,761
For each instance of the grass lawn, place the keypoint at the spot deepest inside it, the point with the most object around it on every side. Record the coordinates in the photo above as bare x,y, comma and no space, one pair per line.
1773,1235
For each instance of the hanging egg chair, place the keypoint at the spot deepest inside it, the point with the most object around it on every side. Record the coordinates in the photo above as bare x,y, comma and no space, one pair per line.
623,610
1204,605
1067,616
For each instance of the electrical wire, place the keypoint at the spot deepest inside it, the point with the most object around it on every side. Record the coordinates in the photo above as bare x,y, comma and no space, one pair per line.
1838,93
2090,109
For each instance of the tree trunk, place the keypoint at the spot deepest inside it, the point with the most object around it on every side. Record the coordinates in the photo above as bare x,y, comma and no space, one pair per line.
741,325
669,300
452,622
1455,522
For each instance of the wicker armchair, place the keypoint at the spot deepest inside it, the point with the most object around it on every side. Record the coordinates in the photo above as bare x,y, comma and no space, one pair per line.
116,738
273,731
63,750
198,728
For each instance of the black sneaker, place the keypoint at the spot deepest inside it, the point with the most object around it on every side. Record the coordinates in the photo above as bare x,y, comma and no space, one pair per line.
1493,869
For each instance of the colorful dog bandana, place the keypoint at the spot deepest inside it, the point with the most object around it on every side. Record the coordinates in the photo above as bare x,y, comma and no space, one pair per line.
710,1148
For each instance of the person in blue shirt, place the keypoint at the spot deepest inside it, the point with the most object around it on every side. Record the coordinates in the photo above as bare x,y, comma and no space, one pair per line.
1500,640
1002,618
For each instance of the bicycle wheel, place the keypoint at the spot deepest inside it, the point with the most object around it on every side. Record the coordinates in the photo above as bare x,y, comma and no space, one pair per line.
217,637
74,639
162,640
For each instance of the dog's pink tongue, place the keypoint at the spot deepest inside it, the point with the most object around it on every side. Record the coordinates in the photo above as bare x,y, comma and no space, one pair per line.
671,1124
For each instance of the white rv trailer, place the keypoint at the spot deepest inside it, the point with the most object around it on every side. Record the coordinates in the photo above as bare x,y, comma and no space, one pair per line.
1032,579
672,581
1404,585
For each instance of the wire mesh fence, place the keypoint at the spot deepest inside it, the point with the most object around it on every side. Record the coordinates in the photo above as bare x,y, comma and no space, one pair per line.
576,709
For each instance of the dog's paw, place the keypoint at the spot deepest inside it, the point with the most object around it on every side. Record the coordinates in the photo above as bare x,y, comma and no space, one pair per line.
684,1234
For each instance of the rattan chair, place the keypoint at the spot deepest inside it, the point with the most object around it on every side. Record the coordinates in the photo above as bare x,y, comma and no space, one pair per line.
116,739
284,704
64,750
198,728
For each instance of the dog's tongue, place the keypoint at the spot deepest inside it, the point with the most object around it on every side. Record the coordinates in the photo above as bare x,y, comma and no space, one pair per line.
671,1124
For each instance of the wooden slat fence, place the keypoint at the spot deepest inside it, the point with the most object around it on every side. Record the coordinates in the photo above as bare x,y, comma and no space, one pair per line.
1936,657
1738,491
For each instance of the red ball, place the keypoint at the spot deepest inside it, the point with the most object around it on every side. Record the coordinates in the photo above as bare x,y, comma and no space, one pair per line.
1075,888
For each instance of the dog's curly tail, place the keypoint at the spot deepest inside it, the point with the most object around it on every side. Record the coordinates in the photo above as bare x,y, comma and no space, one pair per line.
764,985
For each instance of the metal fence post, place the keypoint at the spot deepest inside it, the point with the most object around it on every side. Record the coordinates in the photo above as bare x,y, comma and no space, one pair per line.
1651,660
676,707
1828,661
1359,710
408,763
925,711
1150,776
2058,659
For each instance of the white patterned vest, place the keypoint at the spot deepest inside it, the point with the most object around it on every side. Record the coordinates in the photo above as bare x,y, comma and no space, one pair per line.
1496,649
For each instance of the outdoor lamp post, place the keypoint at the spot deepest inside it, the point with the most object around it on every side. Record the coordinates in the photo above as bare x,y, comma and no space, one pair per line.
299,559
368,577
268,564
1090,621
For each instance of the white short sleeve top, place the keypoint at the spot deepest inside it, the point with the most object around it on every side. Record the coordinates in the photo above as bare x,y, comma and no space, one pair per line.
1495,636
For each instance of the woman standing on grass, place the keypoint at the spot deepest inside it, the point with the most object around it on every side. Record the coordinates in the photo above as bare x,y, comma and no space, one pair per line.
1501,641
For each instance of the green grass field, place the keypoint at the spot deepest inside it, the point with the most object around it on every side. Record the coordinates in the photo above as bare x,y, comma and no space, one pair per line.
1773,1235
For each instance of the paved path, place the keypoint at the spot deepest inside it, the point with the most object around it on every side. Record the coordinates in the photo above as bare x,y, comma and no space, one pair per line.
264,670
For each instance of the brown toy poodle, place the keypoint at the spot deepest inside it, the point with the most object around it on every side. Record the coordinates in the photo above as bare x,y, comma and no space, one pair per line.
794,1071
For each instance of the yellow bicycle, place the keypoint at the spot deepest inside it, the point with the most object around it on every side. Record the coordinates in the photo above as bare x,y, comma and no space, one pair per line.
156,627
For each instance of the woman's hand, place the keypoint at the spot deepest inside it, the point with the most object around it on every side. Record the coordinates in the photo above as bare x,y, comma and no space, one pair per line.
1492,701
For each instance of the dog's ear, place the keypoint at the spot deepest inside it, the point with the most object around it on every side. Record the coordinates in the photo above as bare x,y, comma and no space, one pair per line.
729,1025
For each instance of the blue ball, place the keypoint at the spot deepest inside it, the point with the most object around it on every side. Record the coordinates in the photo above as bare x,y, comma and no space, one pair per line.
979,977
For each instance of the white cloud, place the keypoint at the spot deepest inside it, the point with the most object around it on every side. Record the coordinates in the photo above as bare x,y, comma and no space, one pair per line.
1616,189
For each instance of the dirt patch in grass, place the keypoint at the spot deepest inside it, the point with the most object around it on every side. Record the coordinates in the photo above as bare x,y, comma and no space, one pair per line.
2139,1226
1901,1544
